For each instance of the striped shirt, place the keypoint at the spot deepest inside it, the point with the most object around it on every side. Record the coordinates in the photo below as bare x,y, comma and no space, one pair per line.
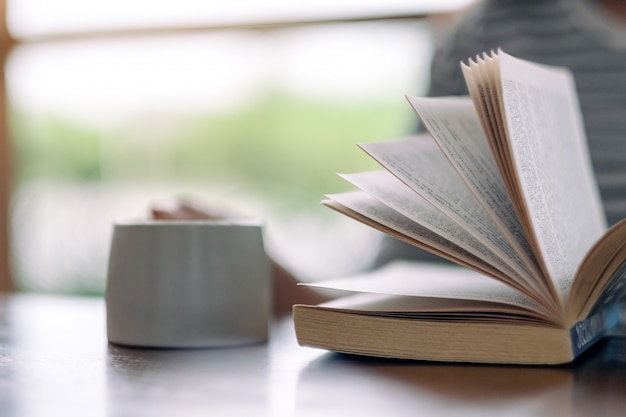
571,33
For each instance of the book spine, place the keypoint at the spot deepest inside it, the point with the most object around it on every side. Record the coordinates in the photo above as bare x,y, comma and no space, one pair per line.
587,332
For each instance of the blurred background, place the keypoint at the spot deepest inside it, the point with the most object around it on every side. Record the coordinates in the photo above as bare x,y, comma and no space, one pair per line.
112,105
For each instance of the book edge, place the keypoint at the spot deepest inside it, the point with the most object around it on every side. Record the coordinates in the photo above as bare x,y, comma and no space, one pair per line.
348,332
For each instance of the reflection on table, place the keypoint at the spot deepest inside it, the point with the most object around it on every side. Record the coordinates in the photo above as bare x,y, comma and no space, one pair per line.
55,360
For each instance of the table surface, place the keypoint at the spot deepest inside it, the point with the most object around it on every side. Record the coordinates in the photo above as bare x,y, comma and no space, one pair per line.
55,360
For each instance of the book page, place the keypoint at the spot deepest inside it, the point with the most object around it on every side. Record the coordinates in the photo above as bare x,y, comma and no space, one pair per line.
415,279
419,163
454,125
481,79
549,153
366,209
412,307
386,188
602,274
434,308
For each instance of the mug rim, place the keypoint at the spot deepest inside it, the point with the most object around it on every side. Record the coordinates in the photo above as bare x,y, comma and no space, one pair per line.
143,222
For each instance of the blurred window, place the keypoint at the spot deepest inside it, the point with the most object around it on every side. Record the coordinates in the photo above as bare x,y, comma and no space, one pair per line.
255,105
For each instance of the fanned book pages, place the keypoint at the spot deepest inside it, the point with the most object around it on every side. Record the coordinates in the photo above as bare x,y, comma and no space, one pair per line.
502,184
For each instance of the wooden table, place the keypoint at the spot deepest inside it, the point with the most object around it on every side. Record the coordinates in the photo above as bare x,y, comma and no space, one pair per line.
55,361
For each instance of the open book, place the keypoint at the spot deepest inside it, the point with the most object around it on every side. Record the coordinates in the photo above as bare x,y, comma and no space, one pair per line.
502,185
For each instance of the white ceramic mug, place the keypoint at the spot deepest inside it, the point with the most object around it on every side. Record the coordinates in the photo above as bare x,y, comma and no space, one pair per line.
196,283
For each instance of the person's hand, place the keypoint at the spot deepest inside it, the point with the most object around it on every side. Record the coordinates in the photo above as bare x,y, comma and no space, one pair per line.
286,291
